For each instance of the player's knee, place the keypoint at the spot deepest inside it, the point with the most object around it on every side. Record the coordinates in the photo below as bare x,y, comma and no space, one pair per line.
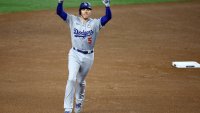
71,80
71,77
71,83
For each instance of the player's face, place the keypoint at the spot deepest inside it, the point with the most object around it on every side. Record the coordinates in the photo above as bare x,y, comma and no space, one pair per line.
85,13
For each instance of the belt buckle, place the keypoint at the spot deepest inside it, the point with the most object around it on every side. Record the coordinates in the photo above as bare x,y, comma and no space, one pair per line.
89,51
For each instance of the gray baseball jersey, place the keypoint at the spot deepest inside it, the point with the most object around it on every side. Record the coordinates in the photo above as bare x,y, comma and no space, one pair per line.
83,35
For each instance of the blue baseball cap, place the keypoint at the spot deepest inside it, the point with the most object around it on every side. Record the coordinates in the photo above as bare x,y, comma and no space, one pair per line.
84,5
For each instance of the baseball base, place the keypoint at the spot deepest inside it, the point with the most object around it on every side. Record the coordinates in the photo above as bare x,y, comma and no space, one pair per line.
186,64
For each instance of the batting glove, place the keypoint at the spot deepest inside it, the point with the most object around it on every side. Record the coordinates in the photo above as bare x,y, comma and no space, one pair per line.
59,1
106,2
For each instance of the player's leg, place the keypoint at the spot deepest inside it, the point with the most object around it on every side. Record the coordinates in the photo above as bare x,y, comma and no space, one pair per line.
73,67
81,83
80,96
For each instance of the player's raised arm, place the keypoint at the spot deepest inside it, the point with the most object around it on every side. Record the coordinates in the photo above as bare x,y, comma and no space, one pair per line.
60,10
108,14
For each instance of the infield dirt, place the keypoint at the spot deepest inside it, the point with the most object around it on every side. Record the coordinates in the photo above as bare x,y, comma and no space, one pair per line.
132,71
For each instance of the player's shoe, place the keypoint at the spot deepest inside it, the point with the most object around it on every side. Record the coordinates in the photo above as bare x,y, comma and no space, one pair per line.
67,112
78,108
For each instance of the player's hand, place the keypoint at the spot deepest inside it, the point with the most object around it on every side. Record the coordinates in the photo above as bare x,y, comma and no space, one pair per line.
106,2
59,1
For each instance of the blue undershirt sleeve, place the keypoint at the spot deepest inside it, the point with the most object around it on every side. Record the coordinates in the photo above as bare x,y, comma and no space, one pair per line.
61,12
107,16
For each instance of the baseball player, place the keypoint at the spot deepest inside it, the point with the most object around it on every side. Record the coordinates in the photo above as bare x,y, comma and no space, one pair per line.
84,31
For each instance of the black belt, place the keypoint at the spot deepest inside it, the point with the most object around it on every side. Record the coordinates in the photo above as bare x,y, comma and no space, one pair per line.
84,52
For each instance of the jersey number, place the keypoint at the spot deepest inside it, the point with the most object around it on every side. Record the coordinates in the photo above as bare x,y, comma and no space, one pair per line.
89,40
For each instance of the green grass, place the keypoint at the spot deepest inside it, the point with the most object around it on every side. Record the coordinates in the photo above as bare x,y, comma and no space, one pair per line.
8,6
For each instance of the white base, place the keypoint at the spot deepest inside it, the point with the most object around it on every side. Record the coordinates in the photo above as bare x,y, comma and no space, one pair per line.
186,64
